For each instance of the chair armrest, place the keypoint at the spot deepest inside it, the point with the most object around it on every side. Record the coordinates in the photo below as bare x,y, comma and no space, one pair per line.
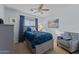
73,41
59,37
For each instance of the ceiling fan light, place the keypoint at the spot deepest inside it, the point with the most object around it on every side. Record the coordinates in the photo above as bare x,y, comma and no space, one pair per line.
45,9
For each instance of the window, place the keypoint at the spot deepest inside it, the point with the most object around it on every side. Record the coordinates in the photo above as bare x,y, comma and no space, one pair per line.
29,22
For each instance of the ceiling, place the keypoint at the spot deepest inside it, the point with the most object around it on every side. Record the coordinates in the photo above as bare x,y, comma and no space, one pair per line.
26,8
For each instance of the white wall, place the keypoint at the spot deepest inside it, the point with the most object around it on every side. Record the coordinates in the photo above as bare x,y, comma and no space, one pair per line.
13,14
1,11
69,18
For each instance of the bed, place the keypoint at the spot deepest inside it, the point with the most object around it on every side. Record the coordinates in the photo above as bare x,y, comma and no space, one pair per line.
39,42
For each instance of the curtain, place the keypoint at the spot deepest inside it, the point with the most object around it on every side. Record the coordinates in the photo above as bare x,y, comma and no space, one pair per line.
21,28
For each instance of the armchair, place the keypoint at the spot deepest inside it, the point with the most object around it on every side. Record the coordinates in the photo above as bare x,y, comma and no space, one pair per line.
69,41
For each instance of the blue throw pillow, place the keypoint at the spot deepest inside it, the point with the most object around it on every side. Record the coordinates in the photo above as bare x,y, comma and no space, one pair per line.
29,29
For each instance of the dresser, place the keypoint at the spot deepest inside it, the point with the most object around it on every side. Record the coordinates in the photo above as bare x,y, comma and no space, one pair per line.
6,39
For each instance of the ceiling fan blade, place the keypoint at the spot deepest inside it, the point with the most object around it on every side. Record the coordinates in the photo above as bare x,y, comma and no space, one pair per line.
40,7
45,9
33,9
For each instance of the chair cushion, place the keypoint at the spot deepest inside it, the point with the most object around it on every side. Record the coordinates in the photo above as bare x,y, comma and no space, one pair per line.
65,43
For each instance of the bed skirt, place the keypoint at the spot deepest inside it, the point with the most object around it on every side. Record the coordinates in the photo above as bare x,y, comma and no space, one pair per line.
41,48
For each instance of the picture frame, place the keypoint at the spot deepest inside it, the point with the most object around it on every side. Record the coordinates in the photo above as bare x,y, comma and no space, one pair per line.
53,23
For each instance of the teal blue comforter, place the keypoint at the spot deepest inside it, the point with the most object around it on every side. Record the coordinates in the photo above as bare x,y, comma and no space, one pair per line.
36,37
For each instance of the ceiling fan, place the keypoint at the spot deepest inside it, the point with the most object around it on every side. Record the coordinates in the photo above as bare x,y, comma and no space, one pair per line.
40,9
